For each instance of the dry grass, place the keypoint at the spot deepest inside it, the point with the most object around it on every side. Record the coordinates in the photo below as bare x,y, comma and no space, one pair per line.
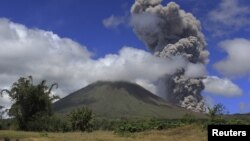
187,133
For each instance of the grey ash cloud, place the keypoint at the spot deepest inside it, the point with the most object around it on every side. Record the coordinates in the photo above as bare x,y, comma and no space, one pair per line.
170,31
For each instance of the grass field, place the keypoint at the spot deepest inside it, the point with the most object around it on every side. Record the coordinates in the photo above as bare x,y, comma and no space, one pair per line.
186,133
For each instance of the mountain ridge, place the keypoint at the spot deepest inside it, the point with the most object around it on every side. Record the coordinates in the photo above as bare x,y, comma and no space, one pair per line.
118,100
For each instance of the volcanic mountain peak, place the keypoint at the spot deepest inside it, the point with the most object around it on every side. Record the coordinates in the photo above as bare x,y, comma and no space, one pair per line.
117,100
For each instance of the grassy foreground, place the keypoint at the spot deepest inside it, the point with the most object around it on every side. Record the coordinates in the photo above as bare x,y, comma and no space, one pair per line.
186,133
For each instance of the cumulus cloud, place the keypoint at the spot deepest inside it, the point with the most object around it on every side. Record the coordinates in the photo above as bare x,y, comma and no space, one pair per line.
45,55
195,70
229,14
237,61
147,85
113,21
222,87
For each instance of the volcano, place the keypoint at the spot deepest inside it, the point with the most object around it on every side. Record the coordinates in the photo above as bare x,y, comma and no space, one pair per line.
119,100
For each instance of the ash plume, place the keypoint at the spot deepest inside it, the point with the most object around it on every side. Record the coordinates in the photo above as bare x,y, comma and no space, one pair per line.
169,31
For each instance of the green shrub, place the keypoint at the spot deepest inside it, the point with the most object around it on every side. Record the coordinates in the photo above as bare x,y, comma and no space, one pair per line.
81,119
8,124
236,122
189,119
142,125
48,123
130,127
105,124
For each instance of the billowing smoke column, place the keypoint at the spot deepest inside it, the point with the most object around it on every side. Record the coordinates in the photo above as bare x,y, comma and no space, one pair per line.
169,31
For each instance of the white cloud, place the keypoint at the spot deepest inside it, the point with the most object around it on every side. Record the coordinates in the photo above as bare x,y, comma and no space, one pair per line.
5,101
230,15
195,70
222,87
147,85
113,21
45,55
237,61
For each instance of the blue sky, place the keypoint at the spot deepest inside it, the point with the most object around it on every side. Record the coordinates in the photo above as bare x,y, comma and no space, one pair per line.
82,22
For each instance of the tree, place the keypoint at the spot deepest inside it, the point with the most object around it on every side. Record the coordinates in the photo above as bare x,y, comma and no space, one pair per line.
216,110
1,112
81,119
29,100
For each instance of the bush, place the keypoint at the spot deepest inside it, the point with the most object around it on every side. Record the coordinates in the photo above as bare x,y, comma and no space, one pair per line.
224,121
8,124
189,119
142,125
81,119
105,124
48,123
130,127
237,122
167,123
